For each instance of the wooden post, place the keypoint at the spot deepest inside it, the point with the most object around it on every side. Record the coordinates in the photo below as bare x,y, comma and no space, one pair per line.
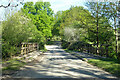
25,48
28,47
22,49
37,46
32,47
88,48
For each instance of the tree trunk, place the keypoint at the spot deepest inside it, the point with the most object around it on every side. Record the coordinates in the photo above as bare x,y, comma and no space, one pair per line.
97,30
119,30
116,41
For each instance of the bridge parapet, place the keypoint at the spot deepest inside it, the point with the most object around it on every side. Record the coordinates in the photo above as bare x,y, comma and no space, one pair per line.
28,47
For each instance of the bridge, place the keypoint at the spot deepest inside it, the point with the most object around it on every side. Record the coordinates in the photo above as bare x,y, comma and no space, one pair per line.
57,63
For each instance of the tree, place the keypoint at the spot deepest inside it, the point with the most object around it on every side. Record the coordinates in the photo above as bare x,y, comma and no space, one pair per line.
119,30
103,12
110,11
95,8
56,26
15,30
72,24
41,16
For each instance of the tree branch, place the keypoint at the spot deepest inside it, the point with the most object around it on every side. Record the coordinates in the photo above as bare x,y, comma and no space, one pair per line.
11,6
5,6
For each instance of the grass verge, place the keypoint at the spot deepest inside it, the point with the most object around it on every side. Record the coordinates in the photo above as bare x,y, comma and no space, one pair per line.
43,50
110,65
13,64
50,42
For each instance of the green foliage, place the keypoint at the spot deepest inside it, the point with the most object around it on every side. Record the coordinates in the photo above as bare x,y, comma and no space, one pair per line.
13,64
57,20
42,45
32,24
56,38
41,15
43,50
110,65
50,42
74,26
71,24
15,30
14,26
78,25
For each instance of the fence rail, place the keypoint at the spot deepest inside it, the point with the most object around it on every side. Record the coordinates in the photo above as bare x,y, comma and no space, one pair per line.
103,50
28,47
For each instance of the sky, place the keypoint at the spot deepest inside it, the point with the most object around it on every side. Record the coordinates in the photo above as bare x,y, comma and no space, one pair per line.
56,5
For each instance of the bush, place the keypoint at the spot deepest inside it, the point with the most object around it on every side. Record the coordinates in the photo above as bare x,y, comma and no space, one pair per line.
15,30
65,44
56,38
119,55
41,46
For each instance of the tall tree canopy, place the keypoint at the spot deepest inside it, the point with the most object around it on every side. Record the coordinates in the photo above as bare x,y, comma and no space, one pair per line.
75,17
41,15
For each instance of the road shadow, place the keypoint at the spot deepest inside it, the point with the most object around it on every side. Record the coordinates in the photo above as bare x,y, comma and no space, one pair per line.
59,65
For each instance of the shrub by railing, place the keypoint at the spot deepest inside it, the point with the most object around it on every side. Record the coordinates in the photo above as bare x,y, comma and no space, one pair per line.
28,47
89,48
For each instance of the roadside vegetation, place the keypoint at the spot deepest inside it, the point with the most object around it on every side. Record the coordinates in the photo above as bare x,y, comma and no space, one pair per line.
107,64
12,64
90,30
26,25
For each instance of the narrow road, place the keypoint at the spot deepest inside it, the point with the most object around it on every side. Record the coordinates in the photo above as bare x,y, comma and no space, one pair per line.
59,64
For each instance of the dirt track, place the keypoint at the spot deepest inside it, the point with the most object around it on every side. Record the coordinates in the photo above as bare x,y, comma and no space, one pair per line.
59,64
